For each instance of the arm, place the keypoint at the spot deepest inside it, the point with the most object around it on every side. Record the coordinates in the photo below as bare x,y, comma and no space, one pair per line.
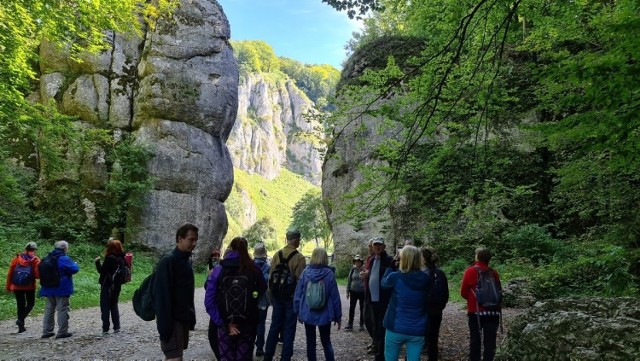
336,302
211,298
299,293
349,280
12,267
446,286
300,263
469,280
98,266
162,298
389,279
68,265
36,271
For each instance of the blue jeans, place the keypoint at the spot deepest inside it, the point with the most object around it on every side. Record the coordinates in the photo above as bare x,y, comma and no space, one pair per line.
393,344
325,339
262,319
283,318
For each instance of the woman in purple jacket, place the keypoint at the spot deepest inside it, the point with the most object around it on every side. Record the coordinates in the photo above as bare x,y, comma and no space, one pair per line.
231,300
307,309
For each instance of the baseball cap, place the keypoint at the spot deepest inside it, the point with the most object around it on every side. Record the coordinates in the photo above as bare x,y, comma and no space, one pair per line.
259,250
31,246
378,240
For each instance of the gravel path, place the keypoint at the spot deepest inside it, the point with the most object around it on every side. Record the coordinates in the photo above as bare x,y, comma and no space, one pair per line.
139,339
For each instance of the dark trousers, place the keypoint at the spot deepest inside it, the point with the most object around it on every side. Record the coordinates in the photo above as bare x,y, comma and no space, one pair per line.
282,318
236,348
262,320
432,335
325,339
368,319
355,297
378,310
213,339
109,306
25,301
482,330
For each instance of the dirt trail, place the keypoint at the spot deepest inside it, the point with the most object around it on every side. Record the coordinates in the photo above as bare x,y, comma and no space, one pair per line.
139,339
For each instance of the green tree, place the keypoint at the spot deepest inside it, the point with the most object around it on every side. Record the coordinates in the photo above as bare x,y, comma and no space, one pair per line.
309,218
262,231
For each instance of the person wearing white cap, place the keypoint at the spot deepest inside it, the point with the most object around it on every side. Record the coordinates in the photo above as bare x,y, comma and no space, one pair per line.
355,291
21,280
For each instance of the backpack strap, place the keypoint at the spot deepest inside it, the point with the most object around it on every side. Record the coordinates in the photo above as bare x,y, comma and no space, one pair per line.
286,261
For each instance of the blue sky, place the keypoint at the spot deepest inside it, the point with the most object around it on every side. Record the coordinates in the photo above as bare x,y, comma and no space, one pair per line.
309,31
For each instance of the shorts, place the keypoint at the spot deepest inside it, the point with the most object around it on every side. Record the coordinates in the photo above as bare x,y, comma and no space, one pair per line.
178,342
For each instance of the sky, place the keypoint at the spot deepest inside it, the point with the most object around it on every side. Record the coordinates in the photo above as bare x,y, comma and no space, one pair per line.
309,31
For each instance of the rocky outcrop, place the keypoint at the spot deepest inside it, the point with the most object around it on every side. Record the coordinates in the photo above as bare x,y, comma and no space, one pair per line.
576,329
176,91
271,131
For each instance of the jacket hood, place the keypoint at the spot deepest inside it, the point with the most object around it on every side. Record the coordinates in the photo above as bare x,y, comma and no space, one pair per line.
57,252
25,259
231,259
316,272
415,280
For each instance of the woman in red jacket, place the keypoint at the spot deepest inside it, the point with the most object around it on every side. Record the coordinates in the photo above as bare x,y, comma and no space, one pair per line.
21,280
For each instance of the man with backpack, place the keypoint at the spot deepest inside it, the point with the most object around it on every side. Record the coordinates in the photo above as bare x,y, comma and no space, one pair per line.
436,301
483,292
21,280
286,268
173,288
56,271
260,259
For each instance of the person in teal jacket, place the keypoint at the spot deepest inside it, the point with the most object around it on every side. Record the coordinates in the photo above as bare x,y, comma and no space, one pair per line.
318,271
58,297
406,318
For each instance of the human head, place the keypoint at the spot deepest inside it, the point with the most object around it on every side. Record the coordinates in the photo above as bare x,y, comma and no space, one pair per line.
370,246
357,260
114,247
31,246
319,256
240,245
429,256
378,245
259,251
62,245
187,237
293,238
483,255
408,242
410,259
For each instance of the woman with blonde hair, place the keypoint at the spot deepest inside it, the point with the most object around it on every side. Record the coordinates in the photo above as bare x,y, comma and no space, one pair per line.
406,319
110,285
317,303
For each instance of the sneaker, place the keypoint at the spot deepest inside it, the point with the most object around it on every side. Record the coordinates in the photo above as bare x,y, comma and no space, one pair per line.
259,353
105,333
64,335
349,327
361,328
47,334
116,330
21,329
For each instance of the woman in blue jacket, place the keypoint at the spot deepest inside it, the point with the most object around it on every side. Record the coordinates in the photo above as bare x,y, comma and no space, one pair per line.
406,318
318,276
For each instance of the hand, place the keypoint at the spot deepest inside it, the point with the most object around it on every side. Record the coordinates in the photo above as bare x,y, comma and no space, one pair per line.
233,330
97,258
338,323
364,274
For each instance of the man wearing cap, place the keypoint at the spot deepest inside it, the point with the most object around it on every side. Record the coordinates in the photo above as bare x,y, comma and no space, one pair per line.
282,314
355,291
260,259
58,296
377,299
21,280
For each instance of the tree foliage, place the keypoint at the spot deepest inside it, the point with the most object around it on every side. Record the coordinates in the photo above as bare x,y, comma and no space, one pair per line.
514,117
309,218
262,231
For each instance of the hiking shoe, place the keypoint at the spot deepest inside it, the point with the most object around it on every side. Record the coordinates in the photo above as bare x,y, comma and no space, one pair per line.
21,329
349,327
64,335
47,334
116,330
259,353
105,333
361,328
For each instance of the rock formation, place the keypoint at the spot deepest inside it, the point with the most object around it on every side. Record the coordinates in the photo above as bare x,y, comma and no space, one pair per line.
576,329
175,90
271,130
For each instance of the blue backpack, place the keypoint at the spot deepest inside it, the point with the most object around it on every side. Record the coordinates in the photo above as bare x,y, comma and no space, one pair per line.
23,273
315,295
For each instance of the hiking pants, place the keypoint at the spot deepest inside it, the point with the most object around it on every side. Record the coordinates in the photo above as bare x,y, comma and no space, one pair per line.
282,318
236,348
355,297
432,335
325,339
262,320
25,301
213,338
59,305
482,330
394,342
109,306
378,310
368,319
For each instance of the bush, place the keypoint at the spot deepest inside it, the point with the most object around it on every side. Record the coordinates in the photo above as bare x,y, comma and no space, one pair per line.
533,242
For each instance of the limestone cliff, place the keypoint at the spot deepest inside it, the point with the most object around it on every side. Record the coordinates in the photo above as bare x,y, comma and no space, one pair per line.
270,129
176,90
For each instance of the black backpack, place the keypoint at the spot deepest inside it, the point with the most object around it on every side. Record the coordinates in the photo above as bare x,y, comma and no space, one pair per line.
439,295
49,271
282,283
488,292
143,299
122,274
23,274
237,296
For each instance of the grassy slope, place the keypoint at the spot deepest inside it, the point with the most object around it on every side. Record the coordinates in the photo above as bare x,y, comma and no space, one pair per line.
273,198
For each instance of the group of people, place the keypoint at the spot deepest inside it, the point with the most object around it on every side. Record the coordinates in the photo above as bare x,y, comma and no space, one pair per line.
400,299
55,272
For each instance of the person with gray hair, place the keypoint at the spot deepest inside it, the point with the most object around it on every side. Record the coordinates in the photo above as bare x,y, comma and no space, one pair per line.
56,271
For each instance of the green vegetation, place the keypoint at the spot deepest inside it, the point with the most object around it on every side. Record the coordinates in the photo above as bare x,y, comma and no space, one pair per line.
87,289
309,218
274,201
521,133
316,81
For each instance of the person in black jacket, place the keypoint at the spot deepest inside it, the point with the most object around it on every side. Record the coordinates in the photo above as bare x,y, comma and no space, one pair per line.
174,291
110,285
437,300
